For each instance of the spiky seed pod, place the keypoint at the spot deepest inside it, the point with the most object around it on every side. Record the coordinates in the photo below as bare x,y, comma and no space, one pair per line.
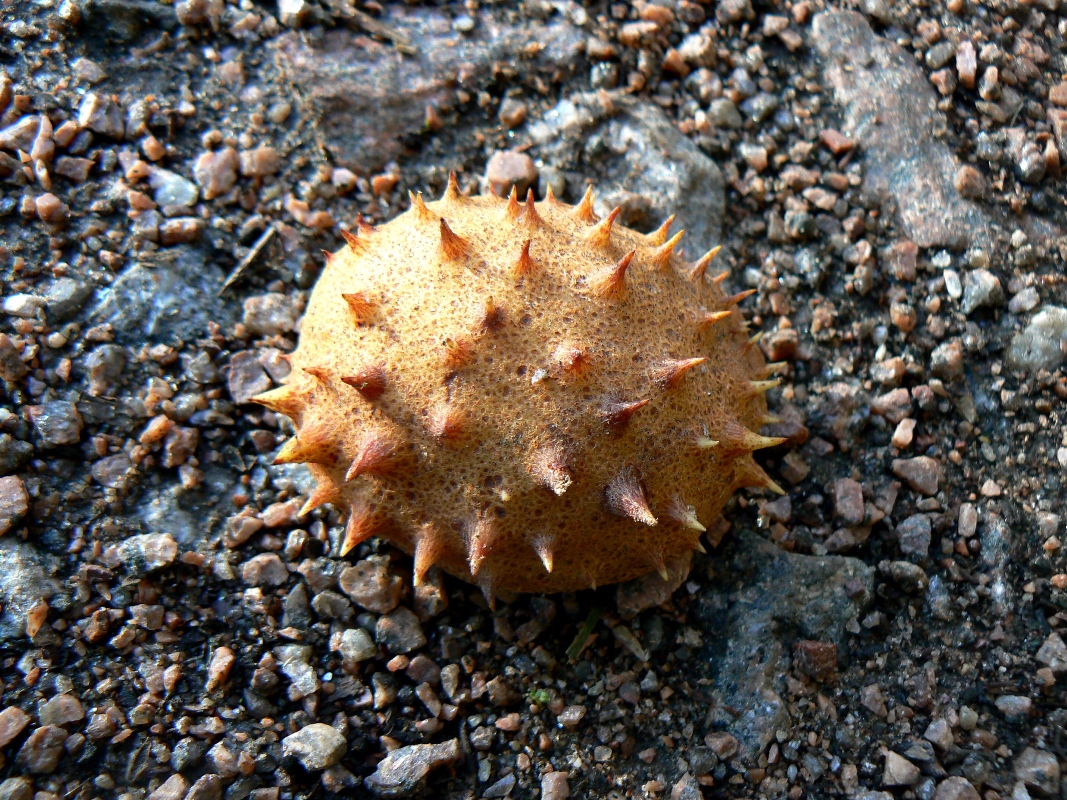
535,441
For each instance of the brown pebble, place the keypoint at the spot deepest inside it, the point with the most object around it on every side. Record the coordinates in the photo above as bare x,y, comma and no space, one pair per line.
834,141
970,183
51,209
14,502
507,169
180,230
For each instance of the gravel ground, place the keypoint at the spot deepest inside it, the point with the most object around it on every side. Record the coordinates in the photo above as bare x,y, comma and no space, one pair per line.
888,177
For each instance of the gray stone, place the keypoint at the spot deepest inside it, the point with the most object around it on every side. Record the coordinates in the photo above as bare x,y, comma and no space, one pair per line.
19,788
366,101
41,751
162,298
400,631
247,378
58,423
981,288
269,314
24,579
750,631
403,772
171,189
1053,653
640,161
371,585
1038,769
294,660
61,710
956,788
316,746
890,106
357,645
913,536
13,453
146,553
65,297
100,114
1041,345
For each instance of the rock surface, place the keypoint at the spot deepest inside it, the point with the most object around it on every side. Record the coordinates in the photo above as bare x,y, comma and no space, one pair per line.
402,772
368,102
890,107
751,630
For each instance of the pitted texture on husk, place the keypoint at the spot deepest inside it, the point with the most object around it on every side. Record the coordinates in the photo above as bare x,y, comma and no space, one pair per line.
531,418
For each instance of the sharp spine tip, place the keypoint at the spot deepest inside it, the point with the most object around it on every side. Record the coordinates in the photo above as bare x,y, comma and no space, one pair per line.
548,466
616,414
453,247
422,213
698,269
584,210
362,307
429,548
524,264
282,400
735,299
739,438
377,455
307,447
529,217
446,423
545,547
684,514
370,381
600,236
661,257
452,192
355,244
512,210
709,319
624,496
704,443
361,525
670,372
611,283
481,536
659,236
761,387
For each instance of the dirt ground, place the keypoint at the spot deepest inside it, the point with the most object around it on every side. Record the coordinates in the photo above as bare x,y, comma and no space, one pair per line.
887,177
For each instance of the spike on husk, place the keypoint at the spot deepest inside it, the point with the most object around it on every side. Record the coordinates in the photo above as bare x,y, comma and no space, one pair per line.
669,373
369,381
362,524
624,496
696,272
446,423
452,194
481,536
737,438
548,465
684,514
453,247
529,218
355,244
362,307
616,414
659,236
430,547
310,446
512,210
709,320
583,212
282,400
524,265
611,283
377,455
600,236
422,212
661,256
